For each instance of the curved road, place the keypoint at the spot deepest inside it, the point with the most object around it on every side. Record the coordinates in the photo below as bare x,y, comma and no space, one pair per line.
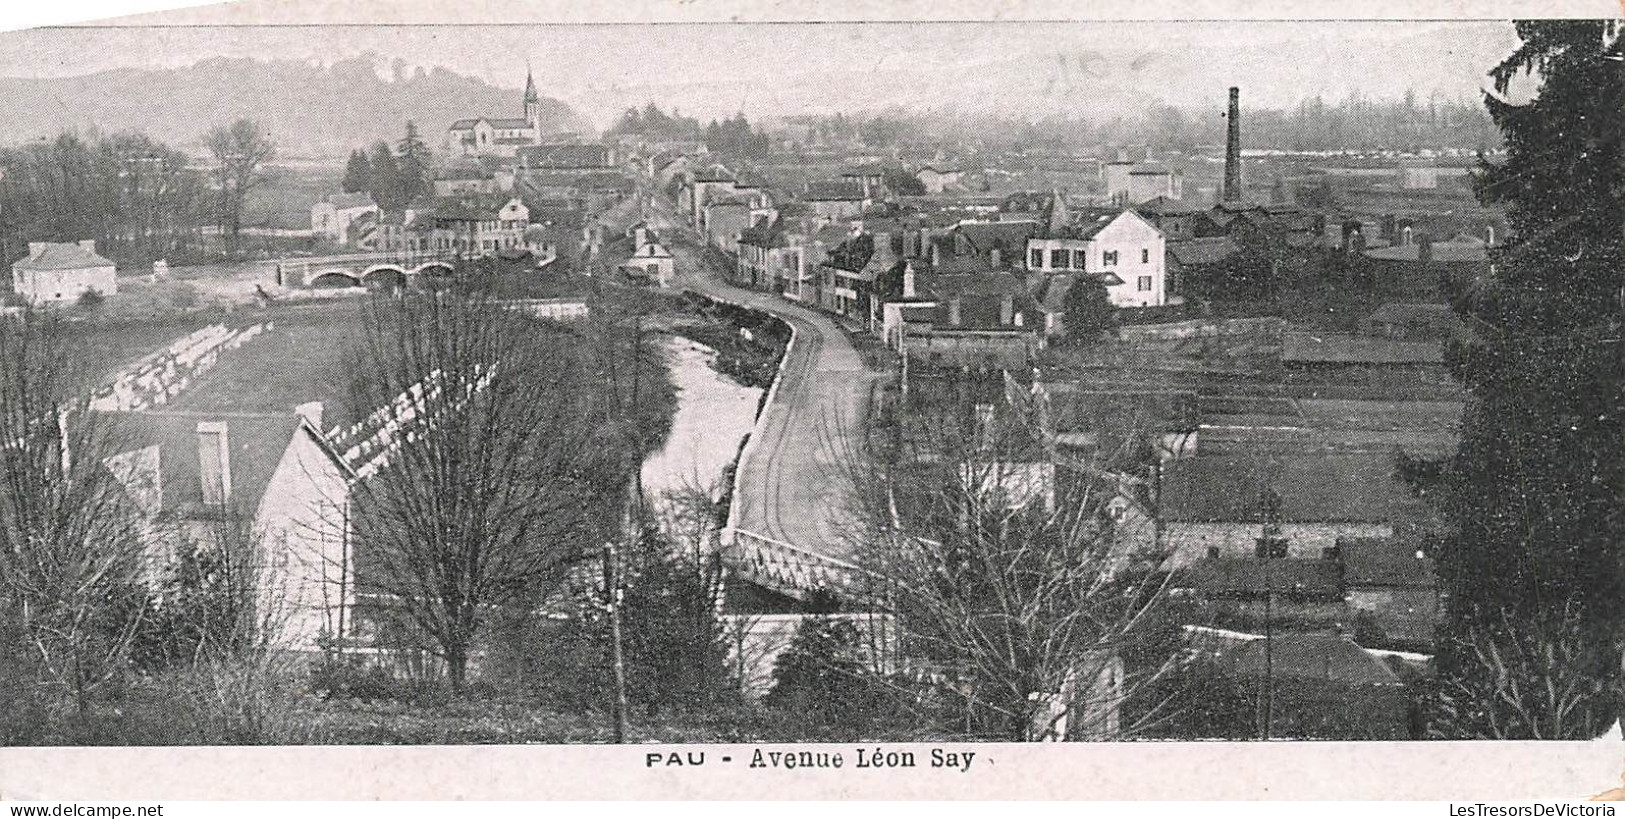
792,484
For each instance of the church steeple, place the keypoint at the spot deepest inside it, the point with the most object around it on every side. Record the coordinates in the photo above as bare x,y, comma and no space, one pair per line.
533,102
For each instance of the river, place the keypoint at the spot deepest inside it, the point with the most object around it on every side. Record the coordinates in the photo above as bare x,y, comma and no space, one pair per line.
714,413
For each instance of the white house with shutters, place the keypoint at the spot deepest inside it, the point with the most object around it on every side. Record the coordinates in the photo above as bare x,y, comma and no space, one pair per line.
1124,250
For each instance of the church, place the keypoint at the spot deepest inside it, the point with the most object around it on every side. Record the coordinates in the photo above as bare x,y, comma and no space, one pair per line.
499,136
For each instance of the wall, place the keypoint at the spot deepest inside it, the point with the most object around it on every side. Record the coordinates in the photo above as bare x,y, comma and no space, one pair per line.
47,286
302,526
1188,542
1267,329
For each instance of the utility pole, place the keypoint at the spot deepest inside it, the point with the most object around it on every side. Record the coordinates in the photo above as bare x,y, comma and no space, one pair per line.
634,535
612,596
1272,546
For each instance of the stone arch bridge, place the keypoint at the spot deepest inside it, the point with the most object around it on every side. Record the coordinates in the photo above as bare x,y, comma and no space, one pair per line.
376,269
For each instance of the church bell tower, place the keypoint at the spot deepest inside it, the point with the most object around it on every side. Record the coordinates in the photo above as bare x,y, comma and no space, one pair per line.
533,104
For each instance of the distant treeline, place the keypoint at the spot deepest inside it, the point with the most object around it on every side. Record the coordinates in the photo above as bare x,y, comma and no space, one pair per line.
1314,124
136,196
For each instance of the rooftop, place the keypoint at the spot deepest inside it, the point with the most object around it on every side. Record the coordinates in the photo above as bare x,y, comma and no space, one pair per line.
1360,487
60,256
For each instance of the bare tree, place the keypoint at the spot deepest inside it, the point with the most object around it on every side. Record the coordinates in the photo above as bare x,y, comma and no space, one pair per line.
1531,678
1001,561
71,536
240,152
480,469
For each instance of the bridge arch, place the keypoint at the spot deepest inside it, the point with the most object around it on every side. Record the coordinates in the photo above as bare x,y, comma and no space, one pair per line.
437,268
386,276
335,278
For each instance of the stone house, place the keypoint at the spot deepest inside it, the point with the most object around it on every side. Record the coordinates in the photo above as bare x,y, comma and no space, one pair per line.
55,272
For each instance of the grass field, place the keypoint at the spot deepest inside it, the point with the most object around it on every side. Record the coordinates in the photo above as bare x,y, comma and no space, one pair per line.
301,358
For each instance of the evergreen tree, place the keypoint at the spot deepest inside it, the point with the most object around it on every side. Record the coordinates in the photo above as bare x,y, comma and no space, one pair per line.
1089,310
386,178
412,166
1537,482
357,173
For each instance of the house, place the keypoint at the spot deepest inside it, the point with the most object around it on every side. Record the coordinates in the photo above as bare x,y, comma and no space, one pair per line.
650,260
1192,261
62,271
1218,506
1128,183
1320,685
267,485
836,201
712,181
1124,251
778,256
939,180
871,176
568,156
1243,592
464,179
335,217
961,314
479,225
850,275
1390,584
1176,219
500,136
726,219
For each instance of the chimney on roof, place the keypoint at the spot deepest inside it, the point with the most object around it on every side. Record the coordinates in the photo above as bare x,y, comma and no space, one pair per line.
88,244
1232,149
214,462
993,258
34,248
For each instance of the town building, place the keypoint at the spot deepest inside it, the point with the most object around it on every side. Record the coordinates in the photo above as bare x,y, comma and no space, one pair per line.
477,226
567,156
1124,251
266,486
1129,183
500,136
55,272
342,218
1390,585
1217,506
836,201
650,260
939,180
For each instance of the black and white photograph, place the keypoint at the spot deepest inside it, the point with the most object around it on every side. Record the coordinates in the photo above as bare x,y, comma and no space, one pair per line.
846,384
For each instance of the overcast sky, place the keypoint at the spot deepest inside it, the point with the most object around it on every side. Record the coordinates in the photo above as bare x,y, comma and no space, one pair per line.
716,69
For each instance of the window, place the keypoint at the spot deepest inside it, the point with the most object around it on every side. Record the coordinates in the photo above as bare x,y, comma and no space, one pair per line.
1144,284
1109,258
1037,258
1145,255
1060,258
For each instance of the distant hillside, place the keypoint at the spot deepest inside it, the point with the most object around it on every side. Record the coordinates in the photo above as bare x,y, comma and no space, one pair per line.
310,110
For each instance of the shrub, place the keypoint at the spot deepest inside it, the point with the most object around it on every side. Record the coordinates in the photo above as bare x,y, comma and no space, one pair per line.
91,299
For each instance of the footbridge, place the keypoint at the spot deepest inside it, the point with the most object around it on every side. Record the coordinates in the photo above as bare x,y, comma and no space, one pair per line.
371,269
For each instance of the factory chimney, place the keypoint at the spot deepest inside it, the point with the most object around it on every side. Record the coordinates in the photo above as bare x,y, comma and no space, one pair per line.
1232,150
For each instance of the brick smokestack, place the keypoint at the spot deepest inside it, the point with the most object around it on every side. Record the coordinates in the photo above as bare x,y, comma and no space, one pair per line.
1232,150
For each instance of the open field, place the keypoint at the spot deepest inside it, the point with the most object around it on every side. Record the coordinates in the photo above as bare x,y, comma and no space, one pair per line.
302,358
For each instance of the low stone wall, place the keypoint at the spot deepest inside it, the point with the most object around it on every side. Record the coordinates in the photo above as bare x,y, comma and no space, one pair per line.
1268,329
